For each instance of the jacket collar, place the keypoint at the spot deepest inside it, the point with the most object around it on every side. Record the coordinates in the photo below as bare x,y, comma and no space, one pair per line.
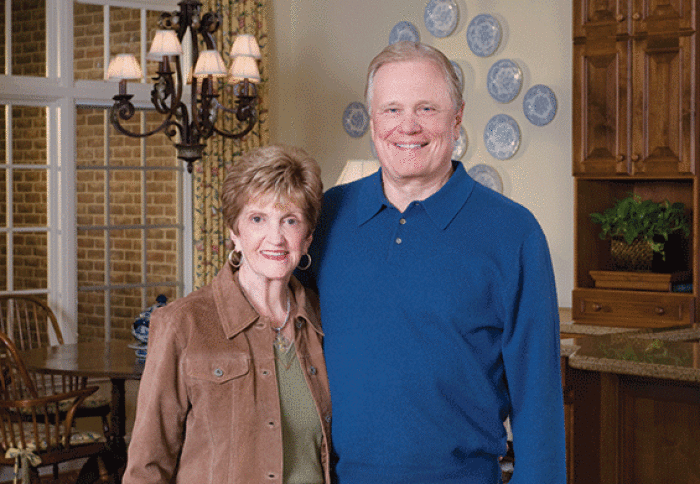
442,206
236,313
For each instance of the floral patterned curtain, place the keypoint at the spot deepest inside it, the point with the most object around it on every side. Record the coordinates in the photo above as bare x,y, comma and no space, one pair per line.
211,244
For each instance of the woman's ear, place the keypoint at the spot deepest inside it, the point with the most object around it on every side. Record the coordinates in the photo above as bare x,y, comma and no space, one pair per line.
233,237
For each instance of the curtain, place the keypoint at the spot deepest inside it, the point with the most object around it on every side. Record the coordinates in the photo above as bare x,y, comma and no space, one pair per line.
211,244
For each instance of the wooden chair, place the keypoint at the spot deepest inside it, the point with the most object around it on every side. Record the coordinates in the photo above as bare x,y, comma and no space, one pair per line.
34,430
26,320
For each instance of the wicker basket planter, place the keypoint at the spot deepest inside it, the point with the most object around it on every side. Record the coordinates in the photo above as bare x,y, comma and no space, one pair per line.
637,256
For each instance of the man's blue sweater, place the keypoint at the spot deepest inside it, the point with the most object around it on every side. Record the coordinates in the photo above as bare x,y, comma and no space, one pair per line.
439,323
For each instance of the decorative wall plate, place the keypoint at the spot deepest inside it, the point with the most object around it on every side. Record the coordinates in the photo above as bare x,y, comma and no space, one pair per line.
460,145
404,31
502,136
483,35
460,75
487,176
539,105
441,17
504,80
356,119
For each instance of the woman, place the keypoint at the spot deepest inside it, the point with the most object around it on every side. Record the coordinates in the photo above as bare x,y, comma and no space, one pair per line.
235,387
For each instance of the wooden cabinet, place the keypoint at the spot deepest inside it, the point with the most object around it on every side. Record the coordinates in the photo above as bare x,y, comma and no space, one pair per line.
634,94
628,429
635,130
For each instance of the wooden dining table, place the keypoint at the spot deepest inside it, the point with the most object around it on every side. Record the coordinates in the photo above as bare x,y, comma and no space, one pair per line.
112,360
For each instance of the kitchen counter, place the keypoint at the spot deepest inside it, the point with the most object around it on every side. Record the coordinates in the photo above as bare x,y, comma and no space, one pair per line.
668,354
631,402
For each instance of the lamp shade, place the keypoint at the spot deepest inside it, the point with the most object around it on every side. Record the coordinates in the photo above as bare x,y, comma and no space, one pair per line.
356,169
124,66
210,63
244,68
245,45
165,42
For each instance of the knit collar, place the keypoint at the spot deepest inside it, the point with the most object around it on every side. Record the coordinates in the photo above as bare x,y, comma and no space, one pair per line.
441,207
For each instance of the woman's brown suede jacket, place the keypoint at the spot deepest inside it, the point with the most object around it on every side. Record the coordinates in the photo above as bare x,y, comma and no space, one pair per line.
208,405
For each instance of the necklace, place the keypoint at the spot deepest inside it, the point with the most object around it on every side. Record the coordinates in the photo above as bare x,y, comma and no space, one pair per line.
281,343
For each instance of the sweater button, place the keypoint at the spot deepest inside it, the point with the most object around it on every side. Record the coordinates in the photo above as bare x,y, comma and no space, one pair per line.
312,370
218,372
398,240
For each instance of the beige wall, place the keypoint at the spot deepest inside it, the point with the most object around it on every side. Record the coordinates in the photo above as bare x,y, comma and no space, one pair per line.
321,49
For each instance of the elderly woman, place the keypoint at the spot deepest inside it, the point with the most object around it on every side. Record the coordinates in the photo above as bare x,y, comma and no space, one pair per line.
235,387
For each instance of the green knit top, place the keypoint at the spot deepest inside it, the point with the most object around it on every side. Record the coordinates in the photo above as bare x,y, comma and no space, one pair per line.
301,425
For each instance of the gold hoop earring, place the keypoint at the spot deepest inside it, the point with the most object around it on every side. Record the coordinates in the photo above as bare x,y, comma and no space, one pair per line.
232,261
307,265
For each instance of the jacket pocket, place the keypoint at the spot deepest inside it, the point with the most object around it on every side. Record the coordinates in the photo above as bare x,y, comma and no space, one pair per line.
218,370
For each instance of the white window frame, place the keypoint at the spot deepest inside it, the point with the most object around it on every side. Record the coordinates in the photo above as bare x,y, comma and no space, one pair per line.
60,93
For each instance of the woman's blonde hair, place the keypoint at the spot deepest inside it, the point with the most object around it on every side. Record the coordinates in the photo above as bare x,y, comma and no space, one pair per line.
284,172
408,51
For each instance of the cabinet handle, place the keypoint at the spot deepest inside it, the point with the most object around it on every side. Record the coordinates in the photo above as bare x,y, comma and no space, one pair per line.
620,158
660,311
620,17
636,16
596,307
634,158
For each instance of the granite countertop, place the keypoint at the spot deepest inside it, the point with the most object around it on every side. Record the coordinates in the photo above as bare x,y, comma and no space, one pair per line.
667,354
572,333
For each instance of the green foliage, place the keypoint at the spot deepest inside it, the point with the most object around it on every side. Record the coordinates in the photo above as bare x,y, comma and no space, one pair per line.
633,218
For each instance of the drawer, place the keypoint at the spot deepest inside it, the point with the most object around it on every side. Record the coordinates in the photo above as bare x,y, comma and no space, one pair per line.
633,308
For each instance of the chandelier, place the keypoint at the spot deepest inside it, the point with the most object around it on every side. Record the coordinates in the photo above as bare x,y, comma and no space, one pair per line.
189,125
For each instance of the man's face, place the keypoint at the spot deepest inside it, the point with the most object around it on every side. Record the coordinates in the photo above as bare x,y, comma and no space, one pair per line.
413,121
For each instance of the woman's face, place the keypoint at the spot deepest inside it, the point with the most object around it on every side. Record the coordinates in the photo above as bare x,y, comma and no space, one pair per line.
272,236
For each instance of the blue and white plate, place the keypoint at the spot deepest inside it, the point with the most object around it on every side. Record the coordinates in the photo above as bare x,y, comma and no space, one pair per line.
539,105
460,75
504,80
483,35
441,17
502,136
460,145
487,176
356,119
404,31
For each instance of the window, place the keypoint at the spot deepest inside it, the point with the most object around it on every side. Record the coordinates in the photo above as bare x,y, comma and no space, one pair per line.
95,222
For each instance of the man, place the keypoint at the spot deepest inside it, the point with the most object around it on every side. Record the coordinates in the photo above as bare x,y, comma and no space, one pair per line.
438,302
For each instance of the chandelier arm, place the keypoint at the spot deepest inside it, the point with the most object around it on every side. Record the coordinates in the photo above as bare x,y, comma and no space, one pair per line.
115,116
159,96
230,135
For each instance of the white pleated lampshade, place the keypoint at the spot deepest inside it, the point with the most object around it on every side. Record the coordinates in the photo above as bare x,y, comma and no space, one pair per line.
356,169
245,45
124,66
210,63
164,43
244,67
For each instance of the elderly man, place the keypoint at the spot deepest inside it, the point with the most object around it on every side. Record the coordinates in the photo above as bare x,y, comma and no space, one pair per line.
438,302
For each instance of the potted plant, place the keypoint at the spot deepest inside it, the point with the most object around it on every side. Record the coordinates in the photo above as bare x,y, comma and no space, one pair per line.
639,229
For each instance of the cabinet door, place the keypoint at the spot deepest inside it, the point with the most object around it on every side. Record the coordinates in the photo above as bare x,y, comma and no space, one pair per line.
656,16
600,17
600,108
663,87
